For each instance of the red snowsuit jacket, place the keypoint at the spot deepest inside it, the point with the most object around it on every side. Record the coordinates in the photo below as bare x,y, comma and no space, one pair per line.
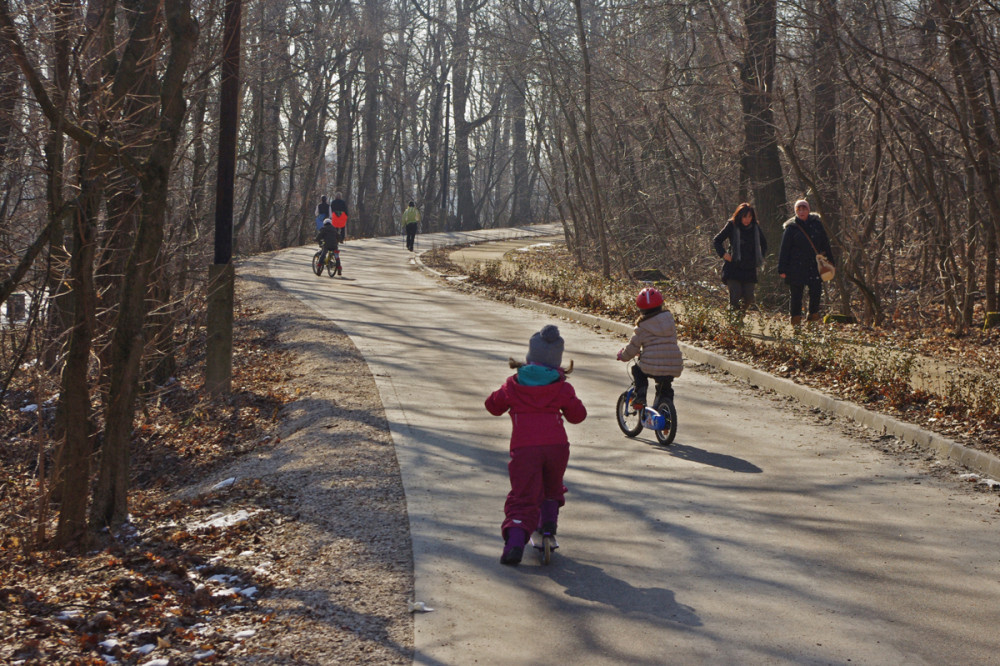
537,411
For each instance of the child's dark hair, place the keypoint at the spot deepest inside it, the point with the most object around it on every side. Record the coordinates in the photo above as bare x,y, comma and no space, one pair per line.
647,313
515,365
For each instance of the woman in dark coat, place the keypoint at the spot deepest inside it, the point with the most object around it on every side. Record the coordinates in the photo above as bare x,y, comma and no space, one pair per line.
797,260
747,247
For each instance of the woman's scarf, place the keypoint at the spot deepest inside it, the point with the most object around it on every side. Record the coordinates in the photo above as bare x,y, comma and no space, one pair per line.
737,247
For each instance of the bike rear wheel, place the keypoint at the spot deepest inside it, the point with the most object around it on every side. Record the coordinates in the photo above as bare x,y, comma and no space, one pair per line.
331,266
669,412
317,267
629,420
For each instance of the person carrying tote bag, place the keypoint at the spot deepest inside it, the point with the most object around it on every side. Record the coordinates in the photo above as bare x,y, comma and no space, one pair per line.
803,242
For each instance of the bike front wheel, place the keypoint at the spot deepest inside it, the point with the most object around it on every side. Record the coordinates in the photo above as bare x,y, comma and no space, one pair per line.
317,267
629,419
669,412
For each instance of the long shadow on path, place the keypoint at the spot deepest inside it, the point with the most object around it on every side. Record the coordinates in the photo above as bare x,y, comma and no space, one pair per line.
592,583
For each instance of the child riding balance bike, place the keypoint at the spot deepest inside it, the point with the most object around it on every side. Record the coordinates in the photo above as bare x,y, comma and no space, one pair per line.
654,345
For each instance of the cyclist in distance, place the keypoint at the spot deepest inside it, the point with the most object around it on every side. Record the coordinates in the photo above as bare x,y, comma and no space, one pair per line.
330,238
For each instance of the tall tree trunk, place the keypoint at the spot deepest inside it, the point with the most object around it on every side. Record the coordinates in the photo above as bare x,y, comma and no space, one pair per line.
60,314
9,84
460,84
431,194
825,101
763,165
345,131
972,86
588,135
520,205
372,58
72,465
110,505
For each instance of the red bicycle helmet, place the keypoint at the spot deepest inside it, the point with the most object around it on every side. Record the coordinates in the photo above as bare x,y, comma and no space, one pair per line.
649,298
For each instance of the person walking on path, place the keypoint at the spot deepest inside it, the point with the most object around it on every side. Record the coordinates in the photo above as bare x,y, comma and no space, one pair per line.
322,212
338,215
411,220
747,247
654,342
538,398
803,238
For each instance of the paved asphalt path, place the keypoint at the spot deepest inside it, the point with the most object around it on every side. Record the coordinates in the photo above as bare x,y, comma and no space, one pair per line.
762,536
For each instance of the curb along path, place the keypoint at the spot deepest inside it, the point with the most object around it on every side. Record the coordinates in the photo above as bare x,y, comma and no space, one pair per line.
977,461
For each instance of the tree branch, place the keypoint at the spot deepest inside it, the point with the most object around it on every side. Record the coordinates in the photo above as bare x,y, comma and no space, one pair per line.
8,286
9,34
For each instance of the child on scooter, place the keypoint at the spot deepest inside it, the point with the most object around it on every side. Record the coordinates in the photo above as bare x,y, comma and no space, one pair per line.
538,397
655,343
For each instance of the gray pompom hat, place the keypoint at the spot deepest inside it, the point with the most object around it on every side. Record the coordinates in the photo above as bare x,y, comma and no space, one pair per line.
546,347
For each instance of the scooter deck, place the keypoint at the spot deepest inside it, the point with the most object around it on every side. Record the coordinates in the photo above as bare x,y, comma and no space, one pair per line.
537,540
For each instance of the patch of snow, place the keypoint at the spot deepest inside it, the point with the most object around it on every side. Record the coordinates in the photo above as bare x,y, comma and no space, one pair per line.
201,656
246,633
68,615
30,408
156,662
223,521
223,484
146,649
418,607
108,645
249,592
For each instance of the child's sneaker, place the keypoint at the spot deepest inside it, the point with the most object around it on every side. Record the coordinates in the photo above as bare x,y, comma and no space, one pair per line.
513,547
512,554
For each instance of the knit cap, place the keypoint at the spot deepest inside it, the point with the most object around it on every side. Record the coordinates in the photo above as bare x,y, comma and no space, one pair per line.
546,347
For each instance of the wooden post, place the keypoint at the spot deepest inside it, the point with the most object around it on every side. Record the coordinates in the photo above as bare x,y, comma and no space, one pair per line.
221,275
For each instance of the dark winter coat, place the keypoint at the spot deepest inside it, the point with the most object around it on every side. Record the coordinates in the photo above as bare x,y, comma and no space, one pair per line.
797,260
537,411
329,236
338,206
743,245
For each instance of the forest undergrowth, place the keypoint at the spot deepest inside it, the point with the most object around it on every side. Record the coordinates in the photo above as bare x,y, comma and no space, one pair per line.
154,588
879,368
